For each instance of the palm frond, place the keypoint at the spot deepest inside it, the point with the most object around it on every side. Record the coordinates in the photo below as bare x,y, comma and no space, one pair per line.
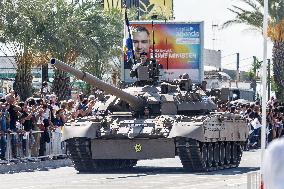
234,11
253,4
230,23
150,7
261,2
253,18
239,9
144,6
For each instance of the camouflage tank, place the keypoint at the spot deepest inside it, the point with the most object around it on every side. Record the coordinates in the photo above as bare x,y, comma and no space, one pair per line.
153,119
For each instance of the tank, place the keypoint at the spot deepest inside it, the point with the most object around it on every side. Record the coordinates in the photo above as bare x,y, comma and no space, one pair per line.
153,119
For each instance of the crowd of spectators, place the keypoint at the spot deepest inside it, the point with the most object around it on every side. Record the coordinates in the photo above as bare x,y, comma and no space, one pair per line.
251,111
35,118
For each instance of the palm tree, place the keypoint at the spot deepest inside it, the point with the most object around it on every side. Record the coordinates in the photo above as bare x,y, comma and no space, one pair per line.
253,16
23,80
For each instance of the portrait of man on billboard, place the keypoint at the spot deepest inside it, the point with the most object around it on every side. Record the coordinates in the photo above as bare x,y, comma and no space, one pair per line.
141,41
141,45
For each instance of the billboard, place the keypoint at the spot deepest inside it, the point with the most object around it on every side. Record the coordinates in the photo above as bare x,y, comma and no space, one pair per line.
178,47
163,7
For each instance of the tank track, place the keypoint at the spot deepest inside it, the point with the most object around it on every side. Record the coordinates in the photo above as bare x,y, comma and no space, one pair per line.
81,155
197,156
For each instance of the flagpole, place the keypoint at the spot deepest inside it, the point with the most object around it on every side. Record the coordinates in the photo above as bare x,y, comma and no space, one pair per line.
128,28
264,82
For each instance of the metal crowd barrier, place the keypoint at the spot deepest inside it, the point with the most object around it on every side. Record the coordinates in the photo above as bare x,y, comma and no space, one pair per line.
253,180
26,146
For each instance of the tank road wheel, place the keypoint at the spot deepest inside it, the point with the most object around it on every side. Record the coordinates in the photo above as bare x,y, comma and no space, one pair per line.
216,152
210,158
222,155
239,152
234,154
207,155
228,153
204,153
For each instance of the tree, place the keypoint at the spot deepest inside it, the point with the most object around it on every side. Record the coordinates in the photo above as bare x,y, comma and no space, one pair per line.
252,15
60,29
252,74
17,35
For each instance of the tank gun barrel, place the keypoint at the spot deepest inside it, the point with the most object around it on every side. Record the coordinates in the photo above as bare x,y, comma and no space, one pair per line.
135,102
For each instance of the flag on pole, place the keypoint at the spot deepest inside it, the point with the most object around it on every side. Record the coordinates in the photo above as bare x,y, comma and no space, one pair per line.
127,41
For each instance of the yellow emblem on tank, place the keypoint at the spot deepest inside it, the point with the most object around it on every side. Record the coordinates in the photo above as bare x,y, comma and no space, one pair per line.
138,147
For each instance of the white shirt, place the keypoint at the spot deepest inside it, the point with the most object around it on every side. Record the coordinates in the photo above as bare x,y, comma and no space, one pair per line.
46,113
54,107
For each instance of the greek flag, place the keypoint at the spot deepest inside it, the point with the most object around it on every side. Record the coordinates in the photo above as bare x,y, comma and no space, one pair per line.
127,41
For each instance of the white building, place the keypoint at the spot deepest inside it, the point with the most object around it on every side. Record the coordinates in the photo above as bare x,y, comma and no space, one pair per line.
8,68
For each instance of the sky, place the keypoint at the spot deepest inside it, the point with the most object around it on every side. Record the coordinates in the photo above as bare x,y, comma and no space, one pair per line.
234,39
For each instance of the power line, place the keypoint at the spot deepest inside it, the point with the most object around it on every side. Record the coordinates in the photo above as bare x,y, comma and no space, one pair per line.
228,55
235,61
246,58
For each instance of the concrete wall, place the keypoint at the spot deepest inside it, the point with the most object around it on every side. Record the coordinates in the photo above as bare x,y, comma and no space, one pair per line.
212,58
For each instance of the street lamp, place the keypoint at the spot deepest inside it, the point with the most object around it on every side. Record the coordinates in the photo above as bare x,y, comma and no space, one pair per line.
264,82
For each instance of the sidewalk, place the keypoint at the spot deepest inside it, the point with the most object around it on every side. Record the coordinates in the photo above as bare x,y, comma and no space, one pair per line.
28,166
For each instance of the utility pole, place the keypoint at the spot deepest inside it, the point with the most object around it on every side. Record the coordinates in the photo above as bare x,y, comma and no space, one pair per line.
238,67
214,27
269,79
264,83
253,82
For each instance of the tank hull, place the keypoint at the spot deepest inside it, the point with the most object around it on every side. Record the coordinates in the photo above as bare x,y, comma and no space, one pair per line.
203,143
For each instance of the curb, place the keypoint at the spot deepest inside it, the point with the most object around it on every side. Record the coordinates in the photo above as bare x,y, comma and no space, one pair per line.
34,166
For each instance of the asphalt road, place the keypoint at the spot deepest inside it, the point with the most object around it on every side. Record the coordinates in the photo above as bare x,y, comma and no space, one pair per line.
164,173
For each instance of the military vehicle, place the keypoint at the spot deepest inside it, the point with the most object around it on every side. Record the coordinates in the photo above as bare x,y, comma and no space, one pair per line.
153,119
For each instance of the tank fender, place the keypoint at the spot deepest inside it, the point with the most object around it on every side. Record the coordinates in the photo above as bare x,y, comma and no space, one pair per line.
88,130
188,130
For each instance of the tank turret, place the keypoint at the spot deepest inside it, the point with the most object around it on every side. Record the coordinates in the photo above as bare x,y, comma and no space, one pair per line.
135,102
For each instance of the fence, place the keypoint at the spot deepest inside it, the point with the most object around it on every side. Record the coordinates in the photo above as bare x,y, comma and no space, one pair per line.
30,146
253,180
